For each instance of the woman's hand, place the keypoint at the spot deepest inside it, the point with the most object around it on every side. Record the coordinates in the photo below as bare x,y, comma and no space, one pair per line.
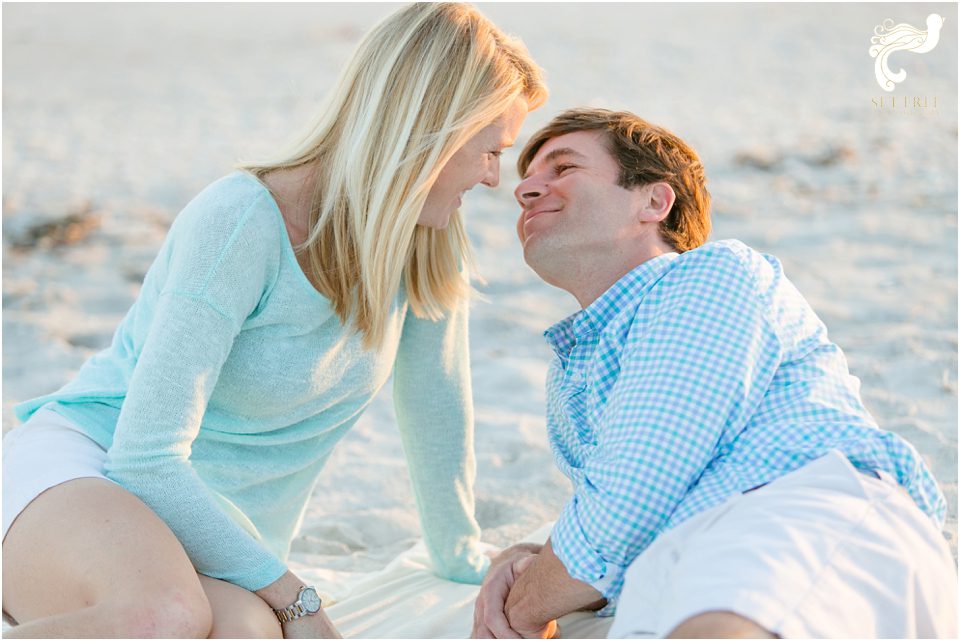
281,594
314,626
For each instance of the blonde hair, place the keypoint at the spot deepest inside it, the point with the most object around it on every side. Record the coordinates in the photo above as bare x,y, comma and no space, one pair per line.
420,84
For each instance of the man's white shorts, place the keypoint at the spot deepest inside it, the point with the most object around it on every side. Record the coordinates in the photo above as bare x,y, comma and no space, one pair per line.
824,551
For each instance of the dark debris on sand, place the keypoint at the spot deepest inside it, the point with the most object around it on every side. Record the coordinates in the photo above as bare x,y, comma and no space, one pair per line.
52,232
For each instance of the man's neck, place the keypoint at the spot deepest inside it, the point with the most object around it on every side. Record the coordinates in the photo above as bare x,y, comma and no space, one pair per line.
589,280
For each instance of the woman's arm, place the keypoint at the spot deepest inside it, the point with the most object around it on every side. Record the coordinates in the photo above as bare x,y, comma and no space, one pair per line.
175,374
220,260
434,407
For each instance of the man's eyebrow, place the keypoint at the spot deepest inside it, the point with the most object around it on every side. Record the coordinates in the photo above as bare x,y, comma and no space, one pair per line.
557,153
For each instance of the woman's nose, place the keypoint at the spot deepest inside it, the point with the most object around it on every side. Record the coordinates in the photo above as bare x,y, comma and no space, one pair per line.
492,177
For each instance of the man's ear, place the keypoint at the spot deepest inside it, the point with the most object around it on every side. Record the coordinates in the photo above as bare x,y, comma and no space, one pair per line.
656,203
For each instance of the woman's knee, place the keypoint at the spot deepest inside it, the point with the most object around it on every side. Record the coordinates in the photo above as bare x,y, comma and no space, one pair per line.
173,612
134,573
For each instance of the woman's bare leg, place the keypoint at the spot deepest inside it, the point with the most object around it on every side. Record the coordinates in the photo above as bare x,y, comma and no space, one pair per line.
88,559
239,613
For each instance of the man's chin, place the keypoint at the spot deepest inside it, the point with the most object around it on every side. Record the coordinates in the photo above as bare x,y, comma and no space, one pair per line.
536,257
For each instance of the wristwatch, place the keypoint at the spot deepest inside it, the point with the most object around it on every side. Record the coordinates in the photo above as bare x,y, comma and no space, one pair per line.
307,603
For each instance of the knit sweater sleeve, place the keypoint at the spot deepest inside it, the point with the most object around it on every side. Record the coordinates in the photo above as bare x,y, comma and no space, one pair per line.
218,263
434,407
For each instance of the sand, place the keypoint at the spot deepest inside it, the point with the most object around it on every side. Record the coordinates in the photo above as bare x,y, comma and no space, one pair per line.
115,115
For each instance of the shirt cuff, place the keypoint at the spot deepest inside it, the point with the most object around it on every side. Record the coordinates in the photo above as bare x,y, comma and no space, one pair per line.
583,561
609,586
468,566
270,570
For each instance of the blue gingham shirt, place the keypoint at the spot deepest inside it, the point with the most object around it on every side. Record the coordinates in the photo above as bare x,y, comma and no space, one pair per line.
695,377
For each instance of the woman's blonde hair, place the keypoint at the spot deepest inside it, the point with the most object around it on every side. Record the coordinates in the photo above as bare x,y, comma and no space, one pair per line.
420,84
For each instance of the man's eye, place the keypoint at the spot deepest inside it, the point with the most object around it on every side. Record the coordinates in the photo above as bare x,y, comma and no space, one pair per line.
559,169
496,154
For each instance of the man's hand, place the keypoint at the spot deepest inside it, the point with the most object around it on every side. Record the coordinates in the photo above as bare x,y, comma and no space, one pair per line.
489,620
544,592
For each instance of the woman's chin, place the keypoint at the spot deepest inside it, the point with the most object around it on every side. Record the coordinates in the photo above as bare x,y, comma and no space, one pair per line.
432,224
436,223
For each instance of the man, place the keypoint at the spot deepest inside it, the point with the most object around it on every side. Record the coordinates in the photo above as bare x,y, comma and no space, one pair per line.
728,481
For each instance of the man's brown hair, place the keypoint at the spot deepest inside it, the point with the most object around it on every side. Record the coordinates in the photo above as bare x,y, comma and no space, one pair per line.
646,154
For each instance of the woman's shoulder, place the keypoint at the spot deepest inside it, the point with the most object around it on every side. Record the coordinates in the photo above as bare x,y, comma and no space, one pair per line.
230,231
235,202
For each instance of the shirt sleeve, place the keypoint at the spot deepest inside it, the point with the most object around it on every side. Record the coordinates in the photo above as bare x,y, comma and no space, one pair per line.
434,407
696,361
215,275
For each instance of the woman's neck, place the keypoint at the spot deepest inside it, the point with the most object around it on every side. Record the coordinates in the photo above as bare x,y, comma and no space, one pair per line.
293,190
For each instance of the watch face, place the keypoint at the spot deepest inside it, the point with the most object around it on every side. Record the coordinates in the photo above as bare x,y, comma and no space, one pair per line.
310,600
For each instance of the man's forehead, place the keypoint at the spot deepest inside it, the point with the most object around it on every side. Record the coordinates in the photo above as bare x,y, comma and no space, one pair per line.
576,142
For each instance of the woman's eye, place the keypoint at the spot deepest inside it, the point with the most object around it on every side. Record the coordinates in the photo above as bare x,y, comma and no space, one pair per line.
496,154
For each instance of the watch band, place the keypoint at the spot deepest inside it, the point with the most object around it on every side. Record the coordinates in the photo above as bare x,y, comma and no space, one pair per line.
308,602
291,612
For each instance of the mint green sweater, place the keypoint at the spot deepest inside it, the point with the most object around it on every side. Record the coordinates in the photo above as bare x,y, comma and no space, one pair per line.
231,379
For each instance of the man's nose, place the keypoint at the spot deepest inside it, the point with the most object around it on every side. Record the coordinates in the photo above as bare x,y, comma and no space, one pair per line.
527,191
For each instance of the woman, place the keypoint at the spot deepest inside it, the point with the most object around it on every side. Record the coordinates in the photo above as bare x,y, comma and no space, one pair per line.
157,494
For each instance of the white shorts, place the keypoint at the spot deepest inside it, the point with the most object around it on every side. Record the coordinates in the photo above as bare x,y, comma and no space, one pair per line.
44,452
822,552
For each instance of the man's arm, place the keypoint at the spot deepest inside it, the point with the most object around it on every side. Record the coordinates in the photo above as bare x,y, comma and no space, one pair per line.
693,366
545,592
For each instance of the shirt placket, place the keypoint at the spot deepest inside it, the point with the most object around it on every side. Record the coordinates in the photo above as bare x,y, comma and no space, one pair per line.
577,405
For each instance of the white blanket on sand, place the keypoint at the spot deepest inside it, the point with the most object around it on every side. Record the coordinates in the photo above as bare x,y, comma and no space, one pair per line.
406,600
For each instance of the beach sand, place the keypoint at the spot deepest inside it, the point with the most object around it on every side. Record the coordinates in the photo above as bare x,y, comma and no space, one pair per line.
115,115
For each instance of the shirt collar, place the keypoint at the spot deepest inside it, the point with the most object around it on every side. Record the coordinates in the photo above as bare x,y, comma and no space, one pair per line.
562,336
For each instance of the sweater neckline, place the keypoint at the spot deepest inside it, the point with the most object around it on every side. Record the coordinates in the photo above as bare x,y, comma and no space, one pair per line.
286,243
